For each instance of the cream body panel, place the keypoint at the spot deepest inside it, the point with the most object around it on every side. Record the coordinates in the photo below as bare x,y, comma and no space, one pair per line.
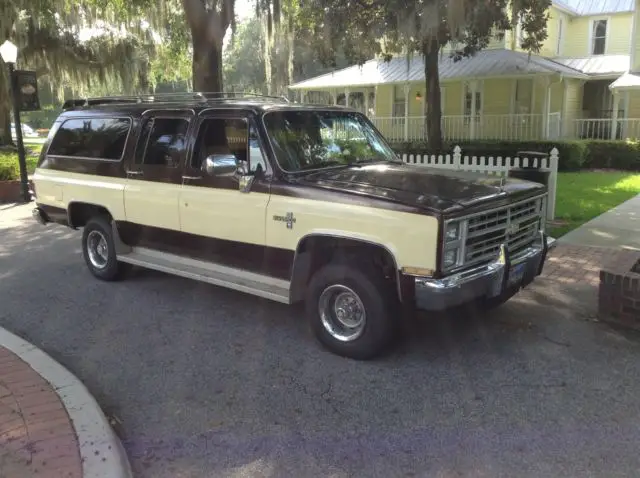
60,188
152,203
223,213
411,238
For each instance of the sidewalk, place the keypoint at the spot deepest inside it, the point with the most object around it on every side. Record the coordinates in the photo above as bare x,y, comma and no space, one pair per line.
50,426
36,434
617,228
573,265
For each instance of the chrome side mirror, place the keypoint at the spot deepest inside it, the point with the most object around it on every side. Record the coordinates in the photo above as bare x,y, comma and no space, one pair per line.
220,165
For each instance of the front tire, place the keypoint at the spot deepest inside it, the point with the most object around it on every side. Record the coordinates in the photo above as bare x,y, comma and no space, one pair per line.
99,251
349,308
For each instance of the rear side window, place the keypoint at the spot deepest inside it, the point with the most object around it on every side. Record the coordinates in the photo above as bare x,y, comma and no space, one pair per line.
97,138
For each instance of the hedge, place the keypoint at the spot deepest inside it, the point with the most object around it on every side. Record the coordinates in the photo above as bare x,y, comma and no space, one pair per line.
574,155
9,168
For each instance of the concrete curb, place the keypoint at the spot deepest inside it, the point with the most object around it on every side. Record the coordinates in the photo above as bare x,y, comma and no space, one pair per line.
100,449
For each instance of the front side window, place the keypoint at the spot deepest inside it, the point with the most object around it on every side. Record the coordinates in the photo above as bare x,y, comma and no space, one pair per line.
599,37
96,138
165,141
304,140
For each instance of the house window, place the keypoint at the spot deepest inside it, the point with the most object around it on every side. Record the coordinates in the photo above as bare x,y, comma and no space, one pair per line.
598,37
560,36
467,103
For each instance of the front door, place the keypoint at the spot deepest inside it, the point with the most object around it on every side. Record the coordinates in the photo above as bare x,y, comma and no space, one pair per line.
154,177
220,220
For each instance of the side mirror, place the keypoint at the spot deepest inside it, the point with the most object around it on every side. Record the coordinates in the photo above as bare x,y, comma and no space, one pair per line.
220,165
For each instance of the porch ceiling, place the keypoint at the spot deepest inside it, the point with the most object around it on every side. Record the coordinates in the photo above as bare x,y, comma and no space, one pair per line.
485,64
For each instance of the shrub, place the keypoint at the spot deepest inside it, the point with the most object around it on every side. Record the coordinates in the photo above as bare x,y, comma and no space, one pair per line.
613,155
8,168
573,154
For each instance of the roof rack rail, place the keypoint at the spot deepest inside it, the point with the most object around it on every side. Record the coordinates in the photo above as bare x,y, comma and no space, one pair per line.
166,98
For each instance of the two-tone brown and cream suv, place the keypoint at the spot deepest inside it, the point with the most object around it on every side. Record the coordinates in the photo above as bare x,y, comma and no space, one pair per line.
289,202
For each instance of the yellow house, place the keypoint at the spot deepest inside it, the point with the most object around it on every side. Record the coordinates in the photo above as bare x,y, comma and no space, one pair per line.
583,83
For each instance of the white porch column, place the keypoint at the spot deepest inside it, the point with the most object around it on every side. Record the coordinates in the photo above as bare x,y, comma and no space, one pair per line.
346,97
406,111
614,119
474,91
625,125
366,102
545,108
563,111
334,95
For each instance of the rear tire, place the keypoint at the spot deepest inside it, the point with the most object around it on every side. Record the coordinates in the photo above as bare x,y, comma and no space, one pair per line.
99,251
350,310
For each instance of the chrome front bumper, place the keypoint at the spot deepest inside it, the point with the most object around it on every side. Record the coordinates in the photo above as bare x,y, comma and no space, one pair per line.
505,274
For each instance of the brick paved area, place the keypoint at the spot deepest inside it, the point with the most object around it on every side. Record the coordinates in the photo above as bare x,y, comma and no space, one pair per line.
578,265
36,435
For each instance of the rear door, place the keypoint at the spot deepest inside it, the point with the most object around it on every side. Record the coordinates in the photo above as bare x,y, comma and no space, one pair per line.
154,177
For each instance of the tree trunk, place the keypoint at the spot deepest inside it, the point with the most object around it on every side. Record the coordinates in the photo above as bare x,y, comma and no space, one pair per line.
5,124
207,66
434,110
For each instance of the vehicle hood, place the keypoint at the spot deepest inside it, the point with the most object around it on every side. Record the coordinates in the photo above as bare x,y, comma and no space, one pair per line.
430,188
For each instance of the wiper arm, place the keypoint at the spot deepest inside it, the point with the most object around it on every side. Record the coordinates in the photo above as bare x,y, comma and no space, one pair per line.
367,160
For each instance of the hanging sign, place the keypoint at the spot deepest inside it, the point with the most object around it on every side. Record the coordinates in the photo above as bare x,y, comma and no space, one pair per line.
27,90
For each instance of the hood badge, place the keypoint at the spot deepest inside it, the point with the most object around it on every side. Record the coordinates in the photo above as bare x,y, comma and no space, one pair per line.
289,219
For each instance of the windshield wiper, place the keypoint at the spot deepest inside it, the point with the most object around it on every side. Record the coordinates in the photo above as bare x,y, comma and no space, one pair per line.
323,164
368,161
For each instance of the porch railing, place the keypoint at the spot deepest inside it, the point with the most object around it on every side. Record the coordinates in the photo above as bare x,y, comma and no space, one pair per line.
464,127
603,128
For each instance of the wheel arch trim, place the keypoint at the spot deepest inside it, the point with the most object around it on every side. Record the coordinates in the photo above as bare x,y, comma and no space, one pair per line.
365,239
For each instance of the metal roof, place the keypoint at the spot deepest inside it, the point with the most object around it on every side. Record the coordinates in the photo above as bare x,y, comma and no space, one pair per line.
628,81
486,63
600,65
595,7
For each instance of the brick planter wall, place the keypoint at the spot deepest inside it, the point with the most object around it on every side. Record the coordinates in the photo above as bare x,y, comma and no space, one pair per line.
10,191
619,293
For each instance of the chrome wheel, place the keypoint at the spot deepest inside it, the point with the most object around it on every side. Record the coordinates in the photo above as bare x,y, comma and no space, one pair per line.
97,249
342,313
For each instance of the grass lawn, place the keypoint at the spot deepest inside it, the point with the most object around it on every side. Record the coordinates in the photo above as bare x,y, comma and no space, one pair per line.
584,195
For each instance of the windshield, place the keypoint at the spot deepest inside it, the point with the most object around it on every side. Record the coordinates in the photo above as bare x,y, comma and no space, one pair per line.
304,140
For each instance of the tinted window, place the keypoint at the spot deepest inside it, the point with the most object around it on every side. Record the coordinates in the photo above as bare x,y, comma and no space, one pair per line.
221,136
100,138
316,139
166,140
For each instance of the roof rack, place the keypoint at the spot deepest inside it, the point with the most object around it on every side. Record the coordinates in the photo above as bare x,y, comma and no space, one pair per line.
204,97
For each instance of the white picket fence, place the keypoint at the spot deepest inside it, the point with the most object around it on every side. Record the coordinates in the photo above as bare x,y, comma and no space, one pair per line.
497,165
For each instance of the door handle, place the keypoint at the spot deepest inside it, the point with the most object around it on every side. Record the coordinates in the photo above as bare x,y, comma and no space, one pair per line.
135,173
192,177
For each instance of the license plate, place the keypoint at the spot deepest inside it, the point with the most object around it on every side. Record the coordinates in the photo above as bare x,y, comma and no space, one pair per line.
516,274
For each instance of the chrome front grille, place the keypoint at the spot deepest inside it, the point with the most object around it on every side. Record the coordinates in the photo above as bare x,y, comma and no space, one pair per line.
516,226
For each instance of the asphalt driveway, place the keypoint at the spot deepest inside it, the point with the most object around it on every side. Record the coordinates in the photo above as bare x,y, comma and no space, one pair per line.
205,382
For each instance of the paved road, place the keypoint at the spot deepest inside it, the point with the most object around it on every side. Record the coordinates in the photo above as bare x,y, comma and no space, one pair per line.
211,383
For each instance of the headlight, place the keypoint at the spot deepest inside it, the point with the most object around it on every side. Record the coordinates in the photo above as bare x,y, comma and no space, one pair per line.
450,258
452,232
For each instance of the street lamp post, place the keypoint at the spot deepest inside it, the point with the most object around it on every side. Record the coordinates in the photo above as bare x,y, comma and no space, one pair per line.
9,54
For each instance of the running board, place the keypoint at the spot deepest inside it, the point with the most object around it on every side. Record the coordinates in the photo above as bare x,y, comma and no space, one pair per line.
229,277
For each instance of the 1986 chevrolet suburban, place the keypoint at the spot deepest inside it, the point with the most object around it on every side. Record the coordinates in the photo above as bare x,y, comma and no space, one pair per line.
289,202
